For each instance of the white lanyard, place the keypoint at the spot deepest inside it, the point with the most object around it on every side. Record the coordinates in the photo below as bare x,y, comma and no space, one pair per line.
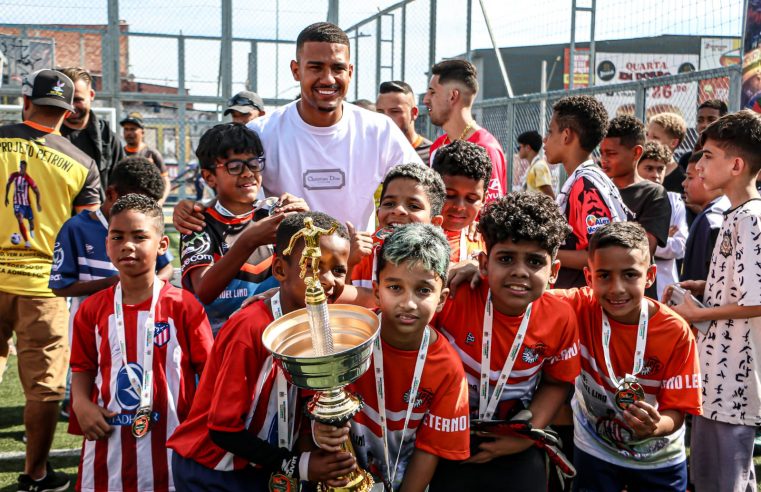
487,406
284,416
639,351
381,394
101,218
223,211
463,245
146,387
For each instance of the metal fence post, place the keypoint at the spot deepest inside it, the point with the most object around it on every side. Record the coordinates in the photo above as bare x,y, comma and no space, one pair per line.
253,66
226,50
112,40
510,144
181,116
639,102
735,87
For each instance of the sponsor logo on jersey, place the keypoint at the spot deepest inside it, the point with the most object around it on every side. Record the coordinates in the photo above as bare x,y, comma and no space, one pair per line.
127,396
470,339
594,223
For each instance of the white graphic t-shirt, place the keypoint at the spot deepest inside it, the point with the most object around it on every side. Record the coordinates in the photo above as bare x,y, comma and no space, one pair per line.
321,164
729,352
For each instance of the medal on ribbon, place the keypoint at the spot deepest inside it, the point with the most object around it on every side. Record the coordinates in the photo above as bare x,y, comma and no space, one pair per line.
629,392
628,389
141,425
280,482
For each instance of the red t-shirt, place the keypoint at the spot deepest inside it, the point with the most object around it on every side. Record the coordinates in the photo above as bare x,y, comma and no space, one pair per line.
439,421
472,248
498,183
670,379
550,345
182,342
237,392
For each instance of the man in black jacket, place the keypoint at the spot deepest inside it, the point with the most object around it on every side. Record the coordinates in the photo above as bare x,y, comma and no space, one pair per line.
89,133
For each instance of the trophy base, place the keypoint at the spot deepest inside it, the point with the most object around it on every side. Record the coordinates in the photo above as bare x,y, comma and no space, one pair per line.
334,406
359,481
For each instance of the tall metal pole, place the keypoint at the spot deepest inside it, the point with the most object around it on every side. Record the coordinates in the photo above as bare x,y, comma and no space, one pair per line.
572,51
468,30
253,66
404,40
378,49
543,102
497,53
333,11
113,33
226,51
181,116
432,35
592,46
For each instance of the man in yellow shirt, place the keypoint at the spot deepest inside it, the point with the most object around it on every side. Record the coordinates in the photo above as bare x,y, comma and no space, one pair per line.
538,176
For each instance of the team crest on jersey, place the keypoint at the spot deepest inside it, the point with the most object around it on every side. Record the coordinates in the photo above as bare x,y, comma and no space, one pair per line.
161,334
470,339
89,248
424,395
199,243
127,396
532,354
726,244
57,256
651,366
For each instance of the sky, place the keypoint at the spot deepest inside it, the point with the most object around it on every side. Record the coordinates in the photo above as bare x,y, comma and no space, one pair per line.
514,24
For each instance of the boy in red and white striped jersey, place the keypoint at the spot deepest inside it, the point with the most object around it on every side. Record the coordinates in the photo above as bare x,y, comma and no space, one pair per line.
137,348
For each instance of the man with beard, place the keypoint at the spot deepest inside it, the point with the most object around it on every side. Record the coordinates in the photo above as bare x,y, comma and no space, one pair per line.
320,147
86,131
134,128
450,96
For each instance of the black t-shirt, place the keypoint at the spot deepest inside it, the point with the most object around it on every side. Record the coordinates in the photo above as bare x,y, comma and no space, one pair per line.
81,139
650,203
673,181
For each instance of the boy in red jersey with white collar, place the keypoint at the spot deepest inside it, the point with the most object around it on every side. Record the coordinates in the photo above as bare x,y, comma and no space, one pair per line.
639,372
137,348
415,394
531,358
234,438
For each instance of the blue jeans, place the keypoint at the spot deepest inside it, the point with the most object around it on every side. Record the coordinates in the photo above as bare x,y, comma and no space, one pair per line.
596,475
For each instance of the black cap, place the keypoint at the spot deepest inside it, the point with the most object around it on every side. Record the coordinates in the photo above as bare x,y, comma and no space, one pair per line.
244,102
49,88
133,118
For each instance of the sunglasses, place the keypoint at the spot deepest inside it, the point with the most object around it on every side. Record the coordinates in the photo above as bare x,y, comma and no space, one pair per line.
235,167
242,101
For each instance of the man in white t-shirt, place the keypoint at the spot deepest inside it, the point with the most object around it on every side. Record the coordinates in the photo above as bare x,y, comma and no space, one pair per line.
332,153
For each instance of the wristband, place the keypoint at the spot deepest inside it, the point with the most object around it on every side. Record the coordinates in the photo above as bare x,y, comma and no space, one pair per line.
304,466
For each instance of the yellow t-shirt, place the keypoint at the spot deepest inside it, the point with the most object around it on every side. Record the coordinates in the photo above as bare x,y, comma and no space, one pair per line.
45,176
538,175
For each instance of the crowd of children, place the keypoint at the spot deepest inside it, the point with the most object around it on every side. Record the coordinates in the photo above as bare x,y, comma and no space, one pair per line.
538,348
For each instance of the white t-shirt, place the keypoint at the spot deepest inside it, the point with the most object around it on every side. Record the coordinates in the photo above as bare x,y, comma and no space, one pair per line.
729,359
666,256
336,169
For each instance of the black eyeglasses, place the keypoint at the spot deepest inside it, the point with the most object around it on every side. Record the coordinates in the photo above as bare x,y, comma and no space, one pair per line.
242,101
235,166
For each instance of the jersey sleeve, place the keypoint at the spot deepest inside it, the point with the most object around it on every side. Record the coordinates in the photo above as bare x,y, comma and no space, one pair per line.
362,273
159,161
542,176
195,251
90,192
748,269
197,332
84,349
681,386
587,211
234,392
564,365
445,430
675,244
65,270
164,260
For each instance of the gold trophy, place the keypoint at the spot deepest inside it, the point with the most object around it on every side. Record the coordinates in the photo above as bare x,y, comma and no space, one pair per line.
323,348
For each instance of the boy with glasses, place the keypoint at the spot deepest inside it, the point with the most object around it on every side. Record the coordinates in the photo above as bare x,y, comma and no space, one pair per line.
230,259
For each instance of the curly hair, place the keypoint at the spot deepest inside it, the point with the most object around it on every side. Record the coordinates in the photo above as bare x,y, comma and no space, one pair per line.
295,222
461,158
321,32
137,175
672,124
429,179
226,137
140,203
739,134
629,235
524,216
629,130
585,116
421,244
656,151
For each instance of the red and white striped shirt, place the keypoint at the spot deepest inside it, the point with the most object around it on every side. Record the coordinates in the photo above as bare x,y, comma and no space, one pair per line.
21,183
182,343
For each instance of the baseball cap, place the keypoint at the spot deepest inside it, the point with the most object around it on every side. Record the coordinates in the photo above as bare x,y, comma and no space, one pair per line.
133,118
244,102
48,87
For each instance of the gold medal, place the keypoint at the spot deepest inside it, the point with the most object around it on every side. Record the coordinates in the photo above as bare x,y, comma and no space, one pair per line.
142,423
628,393
280,482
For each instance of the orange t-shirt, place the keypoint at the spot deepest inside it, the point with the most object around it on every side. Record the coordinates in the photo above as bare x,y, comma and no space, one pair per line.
456,240
550,345
670,379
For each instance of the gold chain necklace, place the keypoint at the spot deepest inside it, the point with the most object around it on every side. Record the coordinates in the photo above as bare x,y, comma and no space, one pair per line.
468,127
